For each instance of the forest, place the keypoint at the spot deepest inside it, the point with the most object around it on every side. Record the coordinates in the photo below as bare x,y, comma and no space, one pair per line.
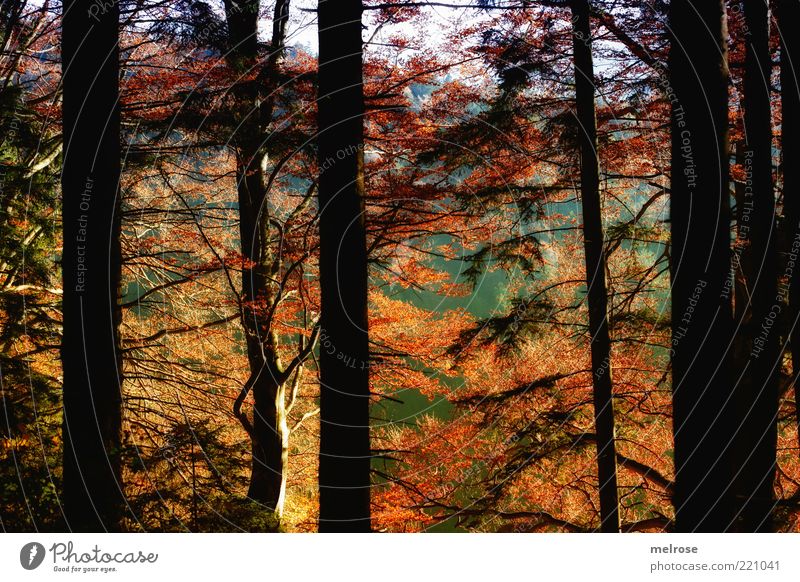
399,266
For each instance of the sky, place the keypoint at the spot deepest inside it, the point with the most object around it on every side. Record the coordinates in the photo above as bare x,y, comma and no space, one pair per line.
438,21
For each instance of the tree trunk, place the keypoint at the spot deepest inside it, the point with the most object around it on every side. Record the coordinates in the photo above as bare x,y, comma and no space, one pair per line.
268,431
595,266
90,351
700,265
270,438
344,464
755,440
788,16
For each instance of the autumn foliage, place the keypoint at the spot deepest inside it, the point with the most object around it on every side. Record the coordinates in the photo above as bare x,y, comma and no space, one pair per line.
481,382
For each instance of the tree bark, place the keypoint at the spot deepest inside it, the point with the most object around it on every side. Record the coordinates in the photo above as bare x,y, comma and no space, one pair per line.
788,14
597,296
755,440
90,352
344,464
700,265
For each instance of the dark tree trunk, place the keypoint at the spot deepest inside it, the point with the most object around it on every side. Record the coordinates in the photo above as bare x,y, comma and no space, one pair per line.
741,295
268,430
90,352
700,266
344,464
788,17
595,266
756,393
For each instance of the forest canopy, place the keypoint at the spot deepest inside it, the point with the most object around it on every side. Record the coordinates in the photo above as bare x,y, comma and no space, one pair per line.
399,266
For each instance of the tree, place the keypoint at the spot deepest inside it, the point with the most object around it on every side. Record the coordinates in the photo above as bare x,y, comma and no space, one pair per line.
30,286
700,265
90,349
756,392
522,390
788,11
595,266
262,289
344,458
